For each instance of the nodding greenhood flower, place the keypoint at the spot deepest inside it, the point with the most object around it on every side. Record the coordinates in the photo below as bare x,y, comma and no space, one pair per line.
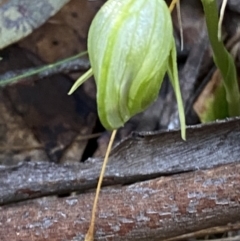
131,47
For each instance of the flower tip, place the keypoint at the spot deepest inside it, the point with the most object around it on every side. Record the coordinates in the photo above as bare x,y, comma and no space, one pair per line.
70,91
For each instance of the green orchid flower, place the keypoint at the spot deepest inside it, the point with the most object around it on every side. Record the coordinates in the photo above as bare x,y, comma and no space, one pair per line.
131,47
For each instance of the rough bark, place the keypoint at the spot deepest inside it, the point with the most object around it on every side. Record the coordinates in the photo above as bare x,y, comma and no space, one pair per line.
140,157
152,210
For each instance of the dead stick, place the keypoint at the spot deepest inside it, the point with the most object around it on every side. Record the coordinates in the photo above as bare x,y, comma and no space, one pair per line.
153,210
208,231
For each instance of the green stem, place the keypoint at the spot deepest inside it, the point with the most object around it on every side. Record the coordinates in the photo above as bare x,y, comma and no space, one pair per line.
39,70
222,58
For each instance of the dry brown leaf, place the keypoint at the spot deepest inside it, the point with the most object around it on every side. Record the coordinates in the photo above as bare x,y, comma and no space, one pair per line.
65,34
18,18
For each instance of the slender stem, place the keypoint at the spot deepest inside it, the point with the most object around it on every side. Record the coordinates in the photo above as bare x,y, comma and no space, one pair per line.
172,5
90,233
222,58
39,70
180,24
222,11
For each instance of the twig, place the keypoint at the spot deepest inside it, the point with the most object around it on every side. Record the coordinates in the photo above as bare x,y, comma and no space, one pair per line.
208,231
236,238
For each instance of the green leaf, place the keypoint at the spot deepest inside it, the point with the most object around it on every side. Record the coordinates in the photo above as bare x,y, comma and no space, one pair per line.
222,58
215,105
81,80
173,75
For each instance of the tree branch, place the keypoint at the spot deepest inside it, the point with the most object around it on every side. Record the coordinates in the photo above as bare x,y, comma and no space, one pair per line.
140,157
153,210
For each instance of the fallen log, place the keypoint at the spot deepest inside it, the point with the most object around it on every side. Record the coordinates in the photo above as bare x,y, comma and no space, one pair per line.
142,156
152,210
